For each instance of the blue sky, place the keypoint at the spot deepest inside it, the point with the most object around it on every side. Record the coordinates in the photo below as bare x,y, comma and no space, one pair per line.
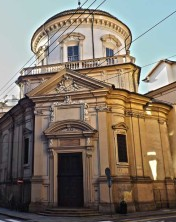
19,19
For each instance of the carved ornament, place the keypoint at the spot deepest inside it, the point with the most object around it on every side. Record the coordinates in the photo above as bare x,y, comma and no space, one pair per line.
134,114
69,128
86,113
67,84
103,108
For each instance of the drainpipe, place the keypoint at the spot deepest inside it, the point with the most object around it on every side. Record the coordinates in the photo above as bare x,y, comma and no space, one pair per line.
22,147
92,31
126,43
33,135
47,44
12,147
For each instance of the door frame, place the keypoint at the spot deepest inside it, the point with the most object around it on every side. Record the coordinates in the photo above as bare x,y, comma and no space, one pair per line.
81,156
86,179
69,129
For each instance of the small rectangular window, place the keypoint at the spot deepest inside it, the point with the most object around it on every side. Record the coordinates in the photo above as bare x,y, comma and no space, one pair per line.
122,148
73,53
109,52
26,151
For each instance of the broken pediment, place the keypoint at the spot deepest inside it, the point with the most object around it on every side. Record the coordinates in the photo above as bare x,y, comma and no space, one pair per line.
67,81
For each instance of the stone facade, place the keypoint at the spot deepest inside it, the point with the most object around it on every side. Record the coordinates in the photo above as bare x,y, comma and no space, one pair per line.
71,124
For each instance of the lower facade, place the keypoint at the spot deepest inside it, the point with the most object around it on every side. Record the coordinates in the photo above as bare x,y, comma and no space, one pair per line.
72,186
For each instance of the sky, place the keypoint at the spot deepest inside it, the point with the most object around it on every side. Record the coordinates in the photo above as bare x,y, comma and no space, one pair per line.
19,19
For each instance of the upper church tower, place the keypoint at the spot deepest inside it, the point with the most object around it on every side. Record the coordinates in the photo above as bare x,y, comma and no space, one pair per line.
80,34
92,42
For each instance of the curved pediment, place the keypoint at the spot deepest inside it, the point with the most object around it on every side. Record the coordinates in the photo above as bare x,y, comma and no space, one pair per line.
108,38
121,125
69,127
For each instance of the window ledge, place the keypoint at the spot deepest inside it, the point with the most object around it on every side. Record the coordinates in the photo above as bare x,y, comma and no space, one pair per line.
122,164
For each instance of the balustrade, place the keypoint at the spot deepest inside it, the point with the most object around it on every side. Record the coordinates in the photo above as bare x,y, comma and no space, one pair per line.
82,64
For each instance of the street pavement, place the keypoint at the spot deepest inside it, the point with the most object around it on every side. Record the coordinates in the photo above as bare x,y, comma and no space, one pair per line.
103,218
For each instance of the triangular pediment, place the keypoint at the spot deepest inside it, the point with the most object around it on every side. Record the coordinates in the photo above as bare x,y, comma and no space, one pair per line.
67,81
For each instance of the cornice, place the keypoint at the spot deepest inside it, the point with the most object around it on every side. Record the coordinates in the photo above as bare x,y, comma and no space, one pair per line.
103,21
162,90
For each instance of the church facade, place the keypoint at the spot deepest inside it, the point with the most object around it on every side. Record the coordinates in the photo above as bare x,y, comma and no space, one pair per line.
79,113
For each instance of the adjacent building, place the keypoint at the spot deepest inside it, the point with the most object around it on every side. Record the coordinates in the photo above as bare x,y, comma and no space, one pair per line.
81,113
162,84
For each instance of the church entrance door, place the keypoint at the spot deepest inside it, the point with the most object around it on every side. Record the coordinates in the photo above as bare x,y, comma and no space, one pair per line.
70,180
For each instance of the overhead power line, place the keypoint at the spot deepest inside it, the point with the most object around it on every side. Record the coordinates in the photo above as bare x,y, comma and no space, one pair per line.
43,45
154,26
50,45
148,30
157,61
67,35
135,38
141,67
66,30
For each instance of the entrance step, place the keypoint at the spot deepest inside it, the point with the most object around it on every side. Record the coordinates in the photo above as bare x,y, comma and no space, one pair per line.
70,212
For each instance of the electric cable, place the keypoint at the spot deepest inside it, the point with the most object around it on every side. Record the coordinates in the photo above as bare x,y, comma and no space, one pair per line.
57,39
67,35
43,52
137,37
73,29
64,32
119,74
157,61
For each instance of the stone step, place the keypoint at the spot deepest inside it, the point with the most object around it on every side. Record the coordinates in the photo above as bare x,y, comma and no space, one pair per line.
70,212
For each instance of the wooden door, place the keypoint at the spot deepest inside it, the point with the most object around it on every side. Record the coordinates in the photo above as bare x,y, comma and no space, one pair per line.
70,180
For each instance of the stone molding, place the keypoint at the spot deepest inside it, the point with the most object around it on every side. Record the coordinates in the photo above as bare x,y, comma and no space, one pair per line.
134,114
111,38
72,36
56,25
120,125
68,101
68,127
103,108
